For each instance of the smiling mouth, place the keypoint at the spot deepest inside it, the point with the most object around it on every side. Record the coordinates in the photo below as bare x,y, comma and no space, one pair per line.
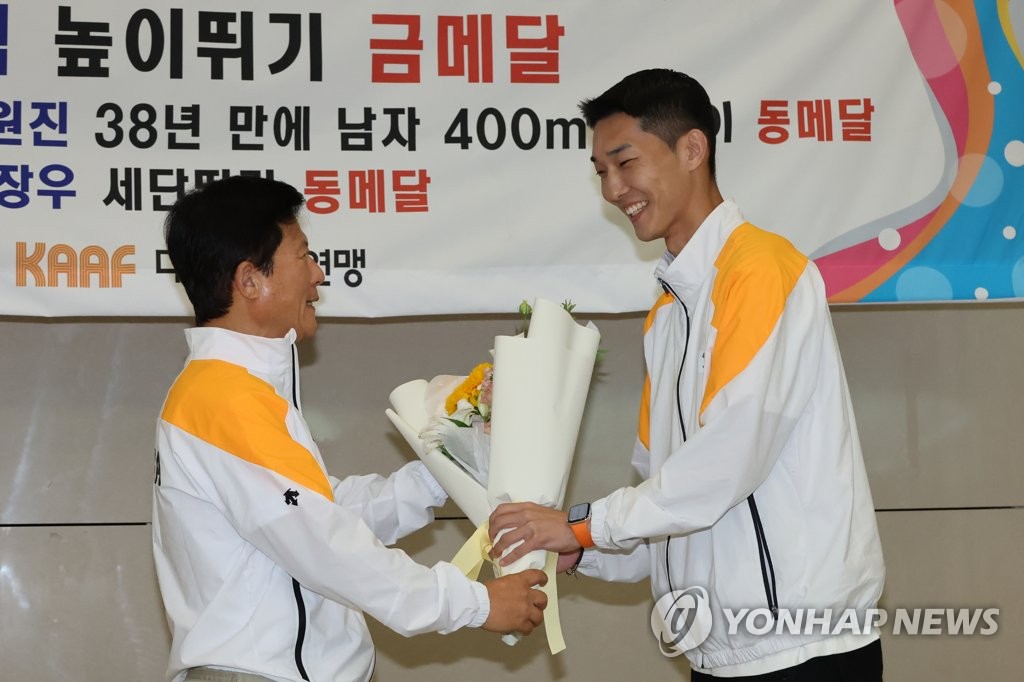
634,209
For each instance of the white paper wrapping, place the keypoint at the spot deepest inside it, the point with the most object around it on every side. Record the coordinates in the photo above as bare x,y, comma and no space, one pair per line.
540,389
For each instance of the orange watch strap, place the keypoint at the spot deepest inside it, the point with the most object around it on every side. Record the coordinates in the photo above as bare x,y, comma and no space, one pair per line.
582,532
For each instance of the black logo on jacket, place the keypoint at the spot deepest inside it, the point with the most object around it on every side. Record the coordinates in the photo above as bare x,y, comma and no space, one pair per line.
291,497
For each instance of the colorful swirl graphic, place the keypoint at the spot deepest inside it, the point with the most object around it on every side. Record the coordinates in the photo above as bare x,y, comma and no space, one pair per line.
961,242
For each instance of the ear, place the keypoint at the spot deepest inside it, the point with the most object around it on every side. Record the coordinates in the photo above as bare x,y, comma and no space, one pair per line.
248,281
692,148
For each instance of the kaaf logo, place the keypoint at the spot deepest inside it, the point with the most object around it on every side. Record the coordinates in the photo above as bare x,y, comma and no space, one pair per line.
682,620
79,269
291,497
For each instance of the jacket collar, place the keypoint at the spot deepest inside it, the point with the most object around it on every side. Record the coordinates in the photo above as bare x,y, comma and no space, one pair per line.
687,272
273,360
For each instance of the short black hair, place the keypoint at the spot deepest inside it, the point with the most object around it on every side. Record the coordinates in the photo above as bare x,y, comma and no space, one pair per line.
667,103
216,227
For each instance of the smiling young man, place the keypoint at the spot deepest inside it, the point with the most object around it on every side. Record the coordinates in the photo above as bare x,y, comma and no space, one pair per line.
755,492
266,563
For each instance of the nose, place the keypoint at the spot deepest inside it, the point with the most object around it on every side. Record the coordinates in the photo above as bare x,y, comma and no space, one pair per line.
318,272
612,187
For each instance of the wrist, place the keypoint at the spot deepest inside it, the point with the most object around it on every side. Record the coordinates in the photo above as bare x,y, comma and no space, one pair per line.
576,564
579,524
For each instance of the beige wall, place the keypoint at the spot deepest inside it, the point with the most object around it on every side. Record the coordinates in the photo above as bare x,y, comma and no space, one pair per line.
935,389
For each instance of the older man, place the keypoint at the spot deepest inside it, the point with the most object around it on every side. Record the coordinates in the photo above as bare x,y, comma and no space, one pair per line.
266,563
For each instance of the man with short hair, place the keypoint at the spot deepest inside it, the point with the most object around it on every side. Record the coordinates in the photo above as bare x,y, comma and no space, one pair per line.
266,563
755,492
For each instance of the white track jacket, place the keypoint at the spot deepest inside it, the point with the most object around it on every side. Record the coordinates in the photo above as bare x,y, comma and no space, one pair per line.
755,485
265,563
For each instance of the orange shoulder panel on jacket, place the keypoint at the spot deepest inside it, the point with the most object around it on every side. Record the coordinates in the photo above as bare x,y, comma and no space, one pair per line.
757,270
229,408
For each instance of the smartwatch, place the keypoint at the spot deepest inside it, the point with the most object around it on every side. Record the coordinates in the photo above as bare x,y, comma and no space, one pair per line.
579,523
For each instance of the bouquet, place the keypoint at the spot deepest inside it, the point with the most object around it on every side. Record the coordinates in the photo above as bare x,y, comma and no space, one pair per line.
461,426
507,432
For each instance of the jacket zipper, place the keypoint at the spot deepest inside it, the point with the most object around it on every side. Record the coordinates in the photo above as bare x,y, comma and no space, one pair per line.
764,555
682,424
686,347
679,404
300,606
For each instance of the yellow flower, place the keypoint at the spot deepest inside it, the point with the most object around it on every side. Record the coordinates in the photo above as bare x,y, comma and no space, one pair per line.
469,389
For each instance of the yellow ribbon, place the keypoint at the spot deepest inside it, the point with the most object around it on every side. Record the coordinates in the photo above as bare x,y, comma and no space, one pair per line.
470,559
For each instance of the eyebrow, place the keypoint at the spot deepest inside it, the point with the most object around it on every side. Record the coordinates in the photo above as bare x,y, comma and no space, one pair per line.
621,148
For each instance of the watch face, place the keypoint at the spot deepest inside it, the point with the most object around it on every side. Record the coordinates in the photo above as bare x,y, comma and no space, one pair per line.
579,512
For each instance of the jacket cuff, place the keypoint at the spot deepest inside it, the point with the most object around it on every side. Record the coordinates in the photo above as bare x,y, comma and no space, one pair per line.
598,524
588,562
485,605
436,491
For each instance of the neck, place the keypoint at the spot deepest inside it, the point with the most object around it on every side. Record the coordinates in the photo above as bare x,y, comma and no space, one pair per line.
233,320
704,203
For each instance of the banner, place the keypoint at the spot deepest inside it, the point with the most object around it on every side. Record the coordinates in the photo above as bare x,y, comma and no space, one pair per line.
445,164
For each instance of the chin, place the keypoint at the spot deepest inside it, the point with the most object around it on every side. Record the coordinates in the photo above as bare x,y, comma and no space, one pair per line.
645,236
645,232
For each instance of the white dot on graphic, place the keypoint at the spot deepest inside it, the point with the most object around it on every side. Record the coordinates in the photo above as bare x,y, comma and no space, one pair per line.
995,88
889,239
981,293
1009,231
1014,153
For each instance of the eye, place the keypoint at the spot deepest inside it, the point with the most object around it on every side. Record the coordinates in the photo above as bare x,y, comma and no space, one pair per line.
625,161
